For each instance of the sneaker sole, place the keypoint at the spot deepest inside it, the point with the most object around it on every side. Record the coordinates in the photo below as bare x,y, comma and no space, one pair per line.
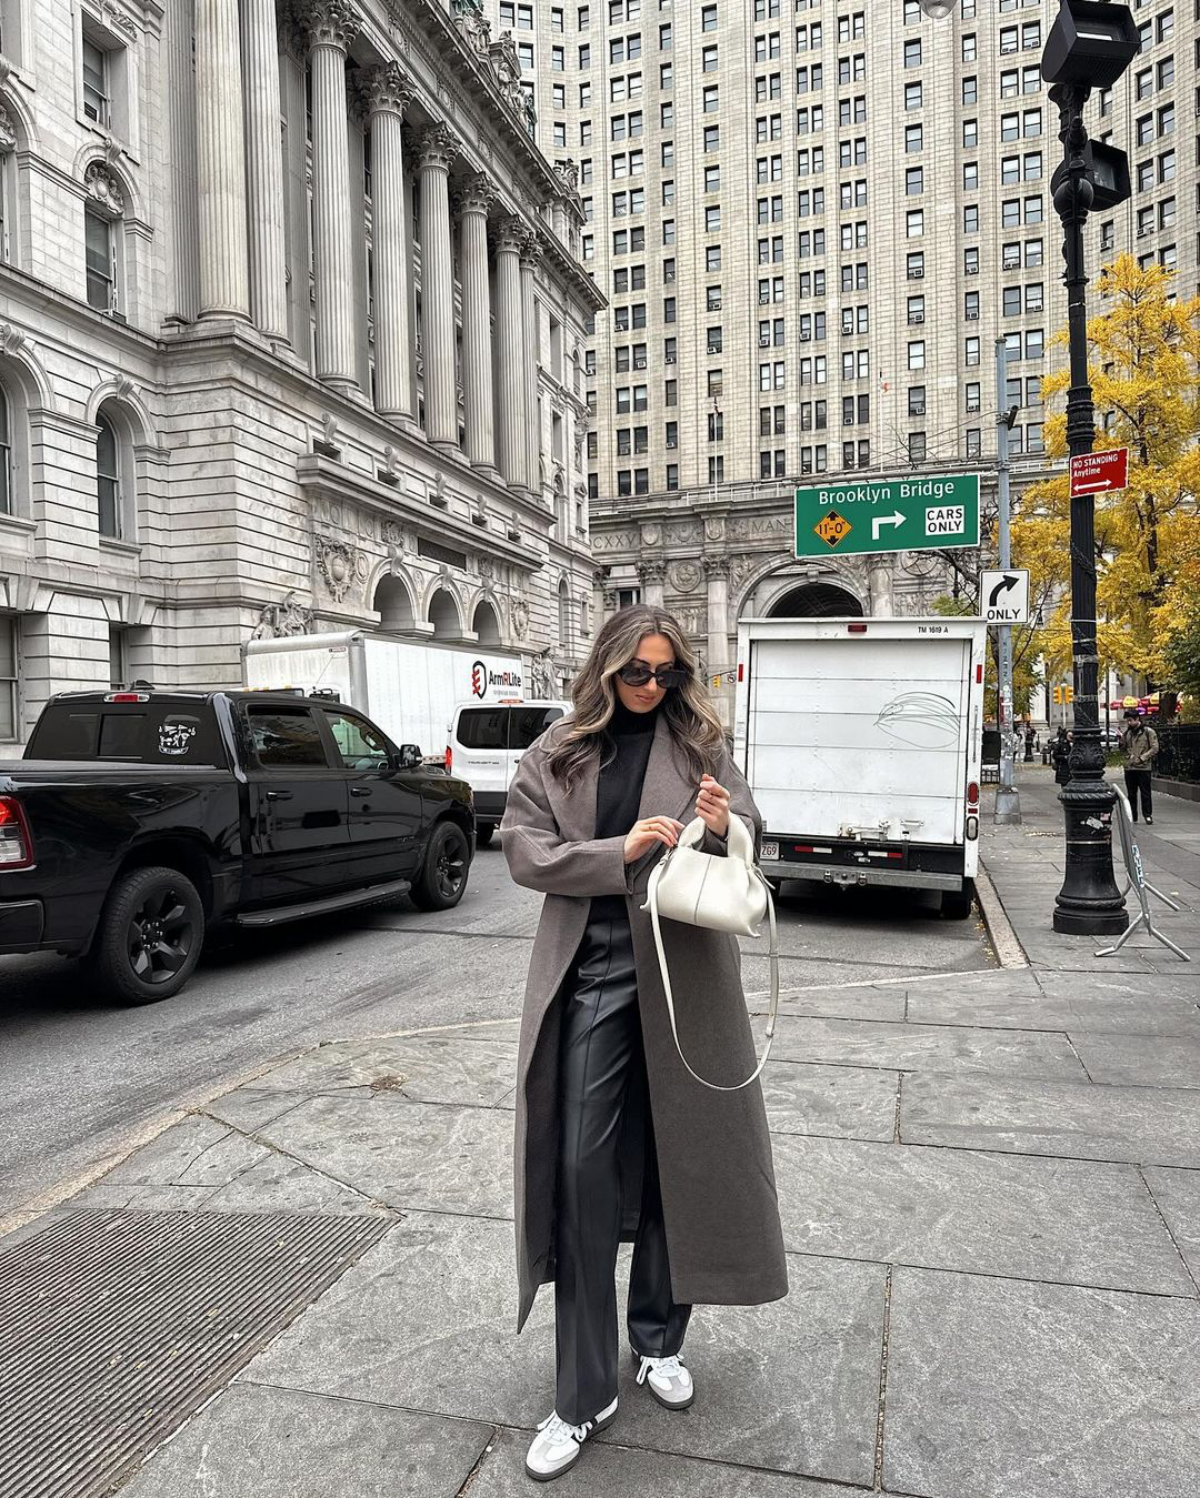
550,1476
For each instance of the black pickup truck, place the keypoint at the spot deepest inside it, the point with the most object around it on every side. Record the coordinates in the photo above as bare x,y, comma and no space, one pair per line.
138,819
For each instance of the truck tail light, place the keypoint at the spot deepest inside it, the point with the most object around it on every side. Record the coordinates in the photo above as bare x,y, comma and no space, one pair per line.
978,675
741,671
16,843
856,629
127,697
449,760
973,795
972,828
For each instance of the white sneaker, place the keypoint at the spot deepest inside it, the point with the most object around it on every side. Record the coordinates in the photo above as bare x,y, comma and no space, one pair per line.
668,1380
555,1449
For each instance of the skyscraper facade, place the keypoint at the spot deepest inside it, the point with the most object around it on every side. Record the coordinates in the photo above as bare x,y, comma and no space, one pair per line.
813,219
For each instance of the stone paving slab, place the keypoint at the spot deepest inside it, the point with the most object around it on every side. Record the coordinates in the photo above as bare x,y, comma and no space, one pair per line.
919,1048
274,1184
1181,986
1004,1389
1142,1060
1132,1012
1072,1120
418,1156
1177,1193
277,1443
607,1470
886,1003
450,1068
251,1107
845,1101
1071,1222
426,1320
165,1159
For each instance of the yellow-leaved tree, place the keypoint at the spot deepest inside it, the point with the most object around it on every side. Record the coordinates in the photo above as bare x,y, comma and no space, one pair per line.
1144,360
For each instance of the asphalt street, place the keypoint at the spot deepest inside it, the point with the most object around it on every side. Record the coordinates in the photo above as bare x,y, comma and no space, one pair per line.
82,1081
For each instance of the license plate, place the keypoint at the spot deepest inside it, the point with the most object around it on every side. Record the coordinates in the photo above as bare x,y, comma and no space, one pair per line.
770,852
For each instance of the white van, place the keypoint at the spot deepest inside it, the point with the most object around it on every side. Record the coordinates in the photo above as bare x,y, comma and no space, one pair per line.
487,741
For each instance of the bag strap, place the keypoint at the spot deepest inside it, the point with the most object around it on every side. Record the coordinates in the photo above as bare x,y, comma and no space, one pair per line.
772,1007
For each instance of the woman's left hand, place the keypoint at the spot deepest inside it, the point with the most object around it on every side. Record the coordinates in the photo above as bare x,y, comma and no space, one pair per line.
712,805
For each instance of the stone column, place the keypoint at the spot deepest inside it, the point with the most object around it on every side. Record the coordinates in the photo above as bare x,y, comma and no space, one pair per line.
474,203
436,150
879,573
185,231
221,162
531,254
716,570
332,25
652,576
264,164
386,94
510,358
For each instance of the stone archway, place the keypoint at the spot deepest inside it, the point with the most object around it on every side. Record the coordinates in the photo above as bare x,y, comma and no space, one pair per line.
817,600
485,623
393,604
444,615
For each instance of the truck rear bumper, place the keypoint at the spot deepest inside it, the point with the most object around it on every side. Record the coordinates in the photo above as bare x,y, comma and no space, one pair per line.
21,925
862,875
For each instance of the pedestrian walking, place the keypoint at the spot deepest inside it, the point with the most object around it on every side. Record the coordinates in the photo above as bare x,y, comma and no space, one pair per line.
1060,755
615,1140
1139,744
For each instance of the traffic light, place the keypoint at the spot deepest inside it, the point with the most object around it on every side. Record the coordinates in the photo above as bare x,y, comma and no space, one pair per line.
1070,693
1058,691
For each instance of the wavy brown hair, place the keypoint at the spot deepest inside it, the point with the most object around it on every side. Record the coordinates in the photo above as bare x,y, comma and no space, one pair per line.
690,716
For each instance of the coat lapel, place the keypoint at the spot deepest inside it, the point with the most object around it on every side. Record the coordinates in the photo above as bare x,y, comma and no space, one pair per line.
667,790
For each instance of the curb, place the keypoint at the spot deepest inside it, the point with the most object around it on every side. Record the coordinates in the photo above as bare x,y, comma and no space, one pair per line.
1009,951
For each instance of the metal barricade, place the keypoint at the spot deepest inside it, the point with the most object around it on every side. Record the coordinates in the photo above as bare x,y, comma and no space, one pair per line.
1138,881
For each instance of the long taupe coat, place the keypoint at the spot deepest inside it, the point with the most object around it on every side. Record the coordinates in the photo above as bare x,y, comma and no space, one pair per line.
724,1238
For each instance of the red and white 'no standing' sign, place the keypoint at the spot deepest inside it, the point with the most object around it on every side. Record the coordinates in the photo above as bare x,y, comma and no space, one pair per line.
1100,473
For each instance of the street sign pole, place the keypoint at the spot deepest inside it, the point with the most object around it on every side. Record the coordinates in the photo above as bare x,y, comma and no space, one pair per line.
1008,800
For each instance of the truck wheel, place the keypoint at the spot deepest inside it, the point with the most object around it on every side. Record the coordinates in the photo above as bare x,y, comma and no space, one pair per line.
150,936
956,903
443,877
483,833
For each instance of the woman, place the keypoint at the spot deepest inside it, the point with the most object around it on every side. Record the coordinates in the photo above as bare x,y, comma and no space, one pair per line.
614,1139
1060,756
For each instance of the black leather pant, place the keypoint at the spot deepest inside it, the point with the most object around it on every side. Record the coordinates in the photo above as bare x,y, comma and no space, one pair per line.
601,1061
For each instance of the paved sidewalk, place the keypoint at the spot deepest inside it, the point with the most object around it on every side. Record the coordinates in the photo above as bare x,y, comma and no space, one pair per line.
990,1186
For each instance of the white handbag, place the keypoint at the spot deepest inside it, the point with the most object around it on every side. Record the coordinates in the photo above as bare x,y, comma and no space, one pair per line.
726,893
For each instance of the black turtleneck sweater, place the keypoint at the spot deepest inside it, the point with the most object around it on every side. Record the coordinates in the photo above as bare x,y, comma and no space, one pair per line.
624,755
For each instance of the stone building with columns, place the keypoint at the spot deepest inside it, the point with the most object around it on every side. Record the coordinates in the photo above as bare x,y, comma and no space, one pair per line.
291,339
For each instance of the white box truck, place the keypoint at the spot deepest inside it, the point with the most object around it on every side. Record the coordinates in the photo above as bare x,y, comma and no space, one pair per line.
409,688
861,741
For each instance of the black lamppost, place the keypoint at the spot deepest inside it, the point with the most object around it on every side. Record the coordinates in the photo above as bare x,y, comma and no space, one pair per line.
1090,45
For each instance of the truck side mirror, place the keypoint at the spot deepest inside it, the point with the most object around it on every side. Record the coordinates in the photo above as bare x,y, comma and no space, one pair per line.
410,756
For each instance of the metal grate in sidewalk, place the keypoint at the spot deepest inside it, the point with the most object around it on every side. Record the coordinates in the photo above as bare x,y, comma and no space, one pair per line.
116,1325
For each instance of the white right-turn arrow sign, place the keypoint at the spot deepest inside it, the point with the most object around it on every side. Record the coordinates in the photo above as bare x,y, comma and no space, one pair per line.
879,521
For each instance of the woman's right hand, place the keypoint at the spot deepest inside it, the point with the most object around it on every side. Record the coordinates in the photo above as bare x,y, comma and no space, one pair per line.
650,830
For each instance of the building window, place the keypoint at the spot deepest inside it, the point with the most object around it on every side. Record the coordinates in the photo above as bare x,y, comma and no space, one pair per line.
6,455
99,234
8,678
108,478
916,354
96,102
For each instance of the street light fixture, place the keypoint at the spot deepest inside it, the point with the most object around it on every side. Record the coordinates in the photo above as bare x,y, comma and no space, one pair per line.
1090,46
938,10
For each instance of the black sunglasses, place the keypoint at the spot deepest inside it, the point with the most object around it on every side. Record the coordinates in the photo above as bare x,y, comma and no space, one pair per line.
638,673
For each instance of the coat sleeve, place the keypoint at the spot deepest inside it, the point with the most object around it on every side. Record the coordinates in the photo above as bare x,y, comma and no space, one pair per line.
540,858
741,804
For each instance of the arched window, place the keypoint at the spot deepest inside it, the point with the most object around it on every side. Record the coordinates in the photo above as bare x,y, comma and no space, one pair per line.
6,455
108,478
443,615
564,617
